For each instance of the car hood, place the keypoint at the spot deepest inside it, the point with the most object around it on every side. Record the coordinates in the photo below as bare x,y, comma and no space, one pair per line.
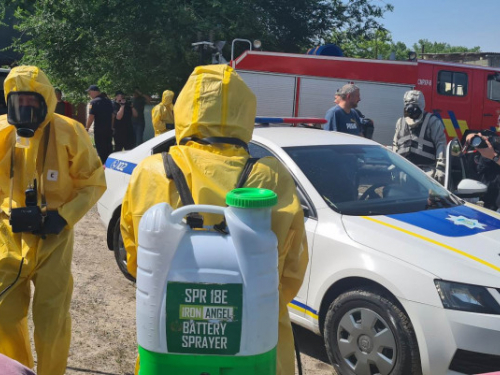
458,244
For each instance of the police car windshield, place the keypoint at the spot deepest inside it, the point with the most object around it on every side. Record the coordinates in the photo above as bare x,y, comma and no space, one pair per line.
369,180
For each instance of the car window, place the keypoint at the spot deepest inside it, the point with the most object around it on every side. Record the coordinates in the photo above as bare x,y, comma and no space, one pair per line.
3,105
452,83
163,146
368,180
494,87
257,151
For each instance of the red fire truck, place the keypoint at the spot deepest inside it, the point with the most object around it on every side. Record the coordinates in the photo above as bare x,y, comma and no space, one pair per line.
294,85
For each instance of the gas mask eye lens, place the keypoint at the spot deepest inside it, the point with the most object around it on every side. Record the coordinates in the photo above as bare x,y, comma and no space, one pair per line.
26,111
412,111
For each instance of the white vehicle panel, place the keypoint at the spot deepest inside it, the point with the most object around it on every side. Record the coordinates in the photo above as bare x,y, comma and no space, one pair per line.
400,255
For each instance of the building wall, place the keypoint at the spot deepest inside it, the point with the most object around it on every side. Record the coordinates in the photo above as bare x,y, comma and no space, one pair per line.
481,59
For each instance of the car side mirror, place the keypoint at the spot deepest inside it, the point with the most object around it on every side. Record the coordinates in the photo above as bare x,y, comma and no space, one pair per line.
468,188
455,148
305,208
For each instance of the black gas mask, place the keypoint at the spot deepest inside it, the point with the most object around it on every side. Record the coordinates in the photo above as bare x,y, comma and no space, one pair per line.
412,111
26,110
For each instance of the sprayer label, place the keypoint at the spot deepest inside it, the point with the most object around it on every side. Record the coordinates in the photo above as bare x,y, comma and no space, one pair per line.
204,318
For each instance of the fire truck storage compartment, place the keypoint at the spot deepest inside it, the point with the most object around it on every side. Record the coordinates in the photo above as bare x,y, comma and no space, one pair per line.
275,93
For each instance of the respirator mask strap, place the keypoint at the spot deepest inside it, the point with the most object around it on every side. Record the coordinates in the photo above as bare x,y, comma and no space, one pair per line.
43,205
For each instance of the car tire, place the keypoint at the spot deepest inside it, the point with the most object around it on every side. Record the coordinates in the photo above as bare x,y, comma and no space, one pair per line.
366,333
119,250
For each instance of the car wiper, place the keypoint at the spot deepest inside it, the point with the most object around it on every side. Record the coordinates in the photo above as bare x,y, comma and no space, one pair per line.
435,202
330,202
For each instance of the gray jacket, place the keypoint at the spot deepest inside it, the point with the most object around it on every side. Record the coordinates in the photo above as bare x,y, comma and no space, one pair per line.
434,133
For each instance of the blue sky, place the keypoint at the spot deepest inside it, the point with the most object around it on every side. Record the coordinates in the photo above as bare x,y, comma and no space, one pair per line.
457,22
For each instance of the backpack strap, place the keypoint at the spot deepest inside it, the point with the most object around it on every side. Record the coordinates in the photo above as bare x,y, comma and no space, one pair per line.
172,170
221,227
246,171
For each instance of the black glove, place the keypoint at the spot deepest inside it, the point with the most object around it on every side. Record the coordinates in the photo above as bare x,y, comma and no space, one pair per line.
53,224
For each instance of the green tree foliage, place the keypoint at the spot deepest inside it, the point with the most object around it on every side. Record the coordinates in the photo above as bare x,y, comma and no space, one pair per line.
374,45
123,44
379,44
435,47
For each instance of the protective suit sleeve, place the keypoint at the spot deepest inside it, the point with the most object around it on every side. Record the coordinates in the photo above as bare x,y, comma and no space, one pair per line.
87,173
7,137
438,136
138,198
396,135
287,224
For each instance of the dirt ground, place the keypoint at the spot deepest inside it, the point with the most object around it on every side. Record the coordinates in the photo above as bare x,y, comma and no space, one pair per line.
103,311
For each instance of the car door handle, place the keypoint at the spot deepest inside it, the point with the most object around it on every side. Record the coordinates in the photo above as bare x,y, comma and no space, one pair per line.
487,115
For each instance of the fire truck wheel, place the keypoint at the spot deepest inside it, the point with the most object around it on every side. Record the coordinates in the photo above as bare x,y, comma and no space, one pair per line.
119,250
366,332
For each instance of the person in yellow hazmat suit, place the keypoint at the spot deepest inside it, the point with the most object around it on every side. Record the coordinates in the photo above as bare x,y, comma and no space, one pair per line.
216,102
50,176
162,114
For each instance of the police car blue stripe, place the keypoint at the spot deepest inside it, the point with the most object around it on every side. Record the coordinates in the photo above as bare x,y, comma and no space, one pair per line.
457,221
304,306
120,165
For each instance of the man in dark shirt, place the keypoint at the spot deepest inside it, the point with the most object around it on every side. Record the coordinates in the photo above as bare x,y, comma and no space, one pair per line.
101,114
138,102
63,107
123,132
341,118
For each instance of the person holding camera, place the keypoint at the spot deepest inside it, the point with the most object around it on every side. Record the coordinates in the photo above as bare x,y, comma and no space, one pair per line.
420,137
487,164
50,176
123,131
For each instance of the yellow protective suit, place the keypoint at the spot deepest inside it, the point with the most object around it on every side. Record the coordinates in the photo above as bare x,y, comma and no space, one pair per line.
215,102
163,113
74,181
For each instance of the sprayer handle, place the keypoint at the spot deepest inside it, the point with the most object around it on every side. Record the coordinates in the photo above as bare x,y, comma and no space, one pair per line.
180,213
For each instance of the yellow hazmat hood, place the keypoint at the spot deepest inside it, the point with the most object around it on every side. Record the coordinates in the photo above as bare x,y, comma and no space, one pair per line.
31,78
167,97
215,102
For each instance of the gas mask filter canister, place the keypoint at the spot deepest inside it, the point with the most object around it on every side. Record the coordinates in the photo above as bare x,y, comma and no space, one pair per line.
413,111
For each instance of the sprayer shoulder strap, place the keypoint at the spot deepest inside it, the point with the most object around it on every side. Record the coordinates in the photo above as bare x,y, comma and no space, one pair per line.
246,171
222,226
172,170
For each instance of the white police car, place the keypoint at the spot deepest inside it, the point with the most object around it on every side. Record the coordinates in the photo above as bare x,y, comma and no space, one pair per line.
403,276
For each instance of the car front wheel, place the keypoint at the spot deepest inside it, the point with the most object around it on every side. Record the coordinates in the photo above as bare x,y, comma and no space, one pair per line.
367,333
119,250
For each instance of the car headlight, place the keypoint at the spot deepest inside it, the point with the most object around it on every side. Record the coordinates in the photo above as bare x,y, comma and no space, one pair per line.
464,297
